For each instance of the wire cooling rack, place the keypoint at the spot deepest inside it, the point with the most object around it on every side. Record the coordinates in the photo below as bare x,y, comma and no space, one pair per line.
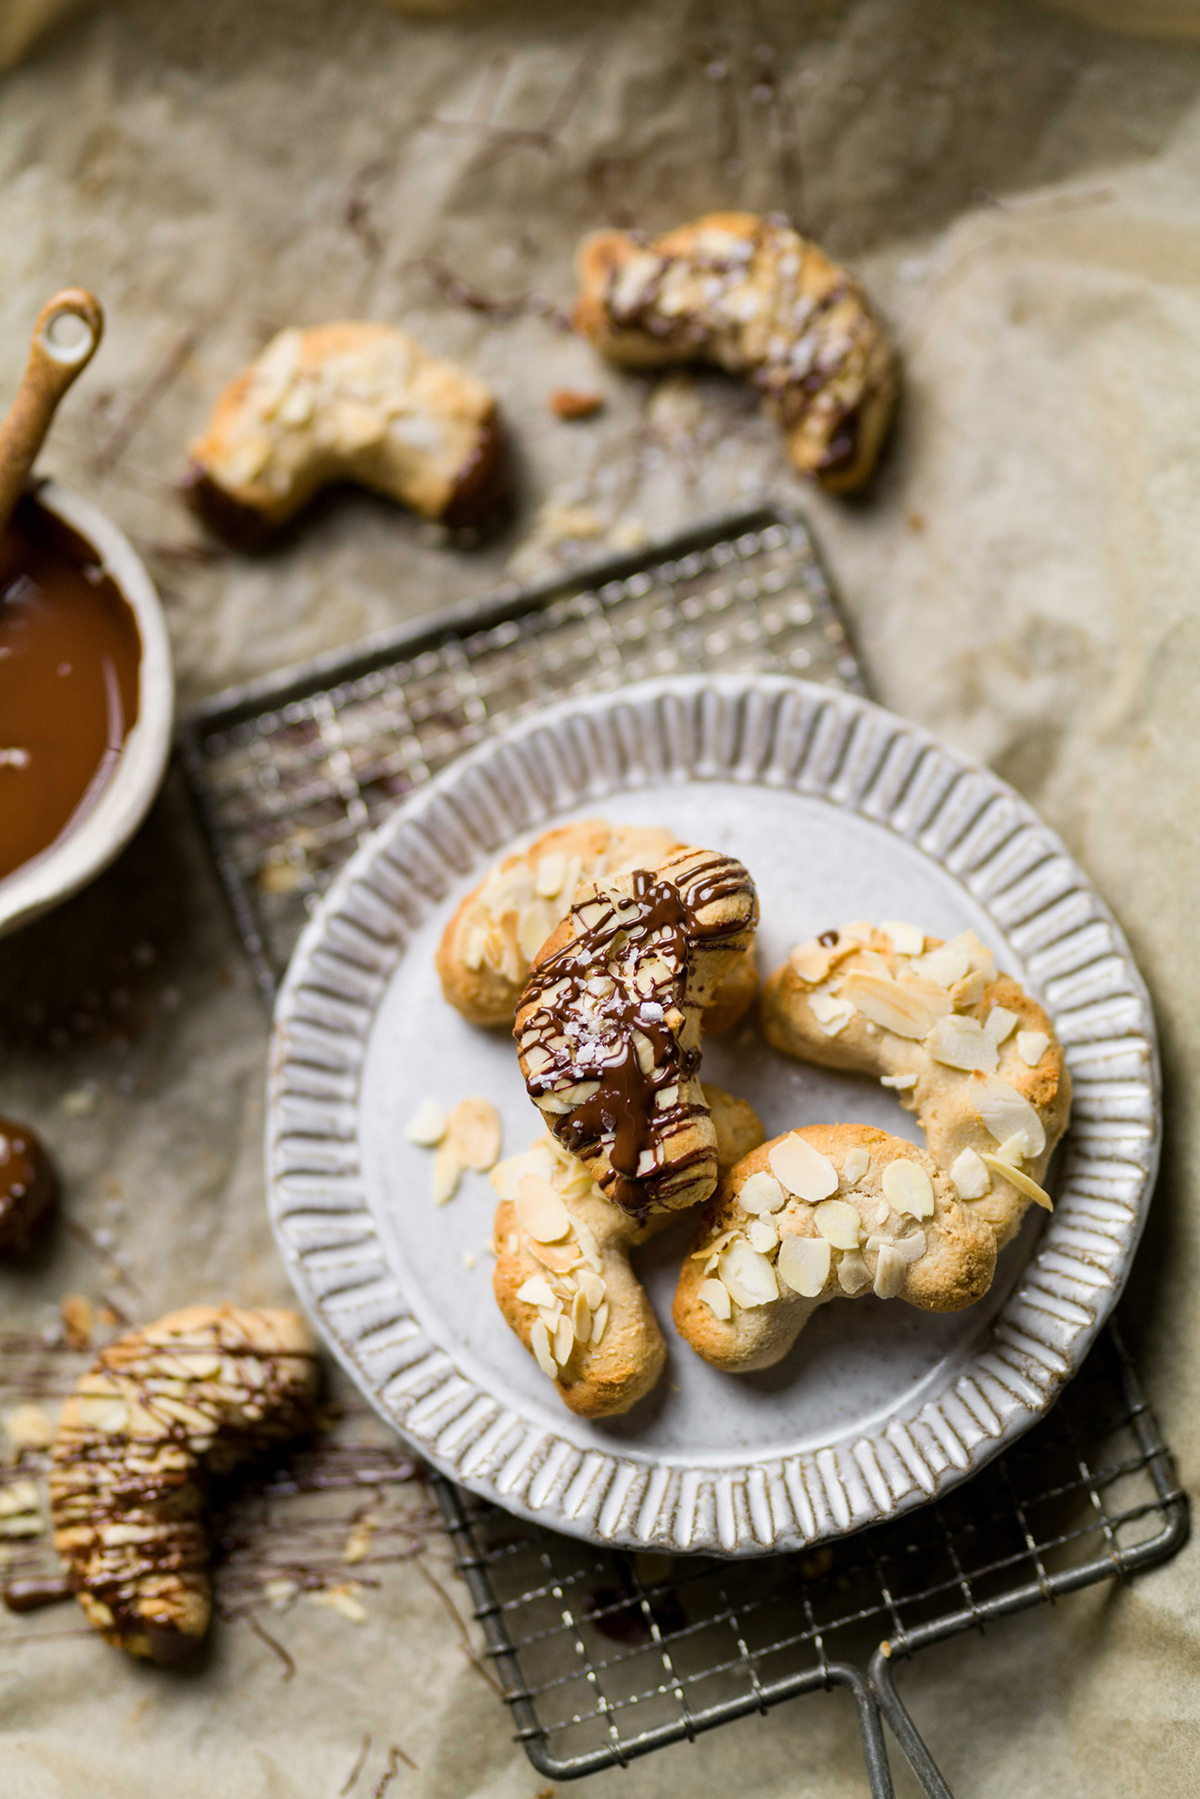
606,1656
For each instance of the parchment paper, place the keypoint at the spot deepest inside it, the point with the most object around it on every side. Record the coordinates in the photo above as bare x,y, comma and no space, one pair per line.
1019,187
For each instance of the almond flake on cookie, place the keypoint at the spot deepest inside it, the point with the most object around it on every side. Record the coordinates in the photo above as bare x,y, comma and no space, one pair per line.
804,1263
1032,1046
908,1188
802,1169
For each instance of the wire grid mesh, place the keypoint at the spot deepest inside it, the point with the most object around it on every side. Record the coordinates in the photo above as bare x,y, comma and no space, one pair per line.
292,775
605,1656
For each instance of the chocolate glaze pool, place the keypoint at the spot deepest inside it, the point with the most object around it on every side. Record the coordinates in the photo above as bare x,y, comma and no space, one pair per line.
69,655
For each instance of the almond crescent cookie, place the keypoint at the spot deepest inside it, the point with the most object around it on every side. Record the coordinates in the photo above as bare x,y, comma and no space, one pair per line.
345,402
489,945
761,301
967,1050
563,1278
609,1024
828,1212
162,1411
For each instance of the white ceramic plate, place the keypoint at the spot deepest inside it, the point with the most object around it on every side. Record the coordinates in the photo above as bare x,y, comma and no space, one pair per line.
840,811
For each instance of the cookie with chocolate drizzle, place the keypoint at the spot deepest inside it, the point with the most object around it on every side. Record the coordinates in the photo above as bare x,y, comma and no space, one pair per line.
163,1411
609,1024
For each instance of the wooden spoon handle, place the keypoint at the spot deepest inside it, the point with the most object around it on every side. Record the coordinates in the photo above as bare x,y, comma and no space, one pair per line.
59,351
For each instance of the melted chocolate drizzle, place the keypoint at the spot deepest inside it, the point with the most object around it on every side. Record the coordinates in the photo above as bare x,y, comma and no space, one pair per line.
623,984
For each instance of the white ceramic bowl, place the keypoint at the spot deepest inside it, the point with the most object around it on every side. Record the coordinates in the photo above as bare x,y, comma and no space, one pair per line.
83,852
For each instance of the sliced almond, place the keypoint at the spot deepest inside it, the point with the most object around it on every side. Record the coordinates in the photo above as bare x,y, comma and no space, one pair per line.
812,961
592,1287
853,1273
535,923
839,1223
590,1249
749,1277
581,1318
762,1236
1006,1113
802,1169
667,1097
962,1043
804,1263
541,1211
474,950
908,1188
473,1130
599,1323
549,875
856,1165
1032,1046
558,1257
1017,1178
714,1247
536,1291
899,1083
761,1193
890,1272
969,1174
969,991
715,1295
888,1004
909,1249
427,1126
831,1012
907,940
446,1170
564,1341
644,1050
979,956
1000,1024
944,965
539,1342
507,1175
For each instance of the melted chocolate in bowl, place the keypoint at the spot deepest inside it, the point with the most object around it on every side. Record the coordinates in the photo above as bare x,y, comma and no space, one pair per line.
69,656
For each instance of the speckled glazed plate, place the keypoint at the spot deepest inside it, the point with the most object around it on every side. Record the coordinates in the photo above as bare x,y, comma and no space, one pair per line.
840,811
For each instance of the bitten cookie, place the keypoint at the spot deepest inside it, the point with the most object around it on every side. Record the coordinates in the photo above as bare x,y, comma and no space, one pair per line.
345,402
964,1048
487,949
609,1024
163,1410
822,1213
761,301
563,1278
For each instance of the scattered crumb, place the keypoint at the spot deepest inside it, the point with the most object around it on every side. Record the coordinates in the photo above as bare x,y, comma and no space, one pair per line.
79,1102
632,535
446,1170
359,1541
342,1599
559,523
915,521
571,403
469,1260
79,1320
281,1593
27,1427
427,1126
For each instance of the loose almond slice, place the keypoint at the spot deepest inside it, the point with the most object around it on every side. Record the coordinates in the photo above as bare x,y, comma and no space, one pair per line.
1000,1024
715,1295
963,1043
1020,1180
804,1263
446,1170
838,1223
856,1165
473,1129
907,940
427,1126
749,1277
539,1342
541,1211
890,1272
969,1174
908,1188
802,1169
888,1004
853,1273
1007,1113
1032,1046
761,1193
